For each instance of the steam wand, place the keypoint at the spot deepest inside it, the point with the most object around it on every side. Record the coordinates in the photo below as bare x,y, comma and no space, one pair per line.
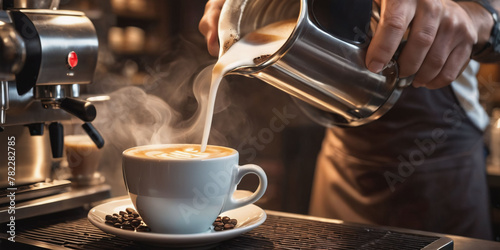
86,112
93,134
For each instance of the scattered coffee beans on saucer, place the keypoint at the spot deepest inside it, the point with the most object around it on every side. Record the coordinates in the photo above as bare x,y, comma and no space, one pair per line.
130,220
224,223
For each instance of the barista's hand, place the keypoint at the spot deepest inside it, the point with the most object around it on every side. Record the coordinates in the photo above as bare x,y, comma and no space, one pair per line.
441,38
209,24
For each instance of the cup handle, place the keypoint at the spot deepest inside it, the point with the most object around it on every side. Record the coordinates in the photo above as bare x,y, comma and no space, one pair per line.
232,203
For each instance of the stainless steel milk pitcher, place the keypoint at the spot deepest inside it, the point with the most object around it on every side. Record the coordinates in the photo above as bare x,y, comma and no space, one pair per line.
323,62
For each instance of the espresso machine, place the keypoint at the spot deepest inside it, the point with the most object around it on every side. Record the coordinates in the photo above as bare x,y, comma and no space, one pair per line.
46,54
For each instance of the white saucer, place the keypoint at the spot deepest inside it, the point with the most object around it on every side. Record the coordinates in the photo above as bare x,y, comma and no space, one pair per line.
249,217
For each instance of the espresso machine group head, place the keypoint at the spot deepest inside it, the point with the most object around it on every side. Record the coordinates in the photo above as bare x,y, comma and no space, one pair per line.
45,55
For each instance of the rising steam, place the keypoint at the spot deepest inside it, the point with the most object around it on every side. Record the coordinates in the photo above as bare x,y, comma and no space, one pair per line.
169,107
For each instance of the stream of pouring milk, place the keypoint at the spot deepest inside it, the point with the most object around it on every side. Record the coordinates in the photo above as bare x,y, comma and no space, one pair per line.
261,42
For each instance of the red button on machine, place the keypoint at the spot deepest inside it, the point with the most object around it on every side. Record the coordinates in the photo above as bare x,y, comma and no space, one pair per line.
72,59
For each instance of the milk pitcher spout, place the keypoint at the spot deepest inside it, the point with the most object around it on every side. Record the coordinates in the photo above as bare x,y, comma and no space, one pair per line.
322,63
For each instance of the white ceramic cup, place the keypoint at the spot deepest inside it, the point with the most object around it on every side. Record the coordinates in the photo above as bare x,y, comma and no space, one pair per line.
185,196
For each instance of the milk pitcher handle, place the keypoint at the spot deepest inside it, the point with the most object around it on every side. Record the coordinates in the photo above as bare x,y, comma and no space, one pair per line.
231,202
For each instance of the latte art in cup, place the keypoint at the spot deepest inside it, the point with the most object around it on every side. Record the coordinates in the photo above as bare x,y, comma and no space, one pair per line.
180,152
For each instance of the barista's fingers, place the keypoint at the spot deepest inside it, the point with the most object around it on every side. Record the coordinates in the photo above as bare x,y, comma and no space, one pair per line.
422,34
395,17
435,59
456,63
450,51
213,43
209,23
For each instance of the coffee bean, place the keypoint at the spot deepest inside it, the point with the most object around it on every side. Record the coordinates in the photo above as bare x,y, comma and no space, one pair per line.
225,219
228,226
127,225
218,228
218,224
109,217
118,225
135,214
233,221
122,213
135,223
130,210
109,222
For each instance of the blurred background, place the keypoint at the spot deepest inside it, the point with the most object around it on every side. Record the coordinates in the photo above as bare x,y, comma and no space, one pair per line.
153,48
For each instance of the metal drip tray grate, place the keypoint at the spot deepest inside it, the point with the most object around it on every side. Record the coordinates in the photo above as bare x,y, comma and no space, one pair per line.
68,230
293,233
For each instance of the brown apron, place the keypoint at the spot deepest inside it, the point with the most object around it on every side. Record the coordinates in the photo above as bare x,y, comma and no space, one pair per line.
421,166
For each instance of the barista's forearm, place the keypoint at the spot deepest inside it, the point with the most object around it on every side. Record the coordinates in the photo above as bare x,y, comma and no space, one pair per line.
483,21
